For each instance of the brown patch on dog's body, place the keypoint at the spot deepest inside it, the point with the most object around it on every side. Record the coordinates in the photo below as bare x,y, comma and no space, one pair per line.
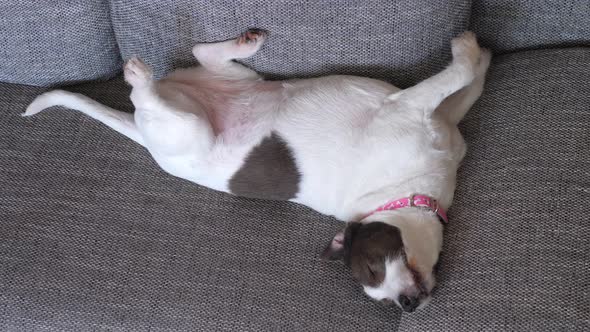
269,172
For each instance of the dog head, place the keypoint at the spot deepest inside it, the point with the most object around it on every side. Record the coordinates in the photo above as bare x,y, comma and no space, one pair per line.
394,259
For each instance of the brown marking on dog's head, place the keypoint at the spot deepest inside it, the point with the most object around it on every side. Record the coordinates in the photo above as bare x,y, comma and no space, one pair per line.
269,172
365,248
376,255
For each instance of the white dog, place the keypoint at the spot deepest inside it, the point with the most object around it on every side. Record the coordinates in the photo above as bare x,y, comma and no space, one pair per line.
362,150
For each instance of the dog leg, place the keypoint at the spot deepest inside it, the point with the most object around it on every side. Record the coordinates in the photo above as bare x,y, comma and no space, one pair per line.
456,105
168,127
428,94
217,57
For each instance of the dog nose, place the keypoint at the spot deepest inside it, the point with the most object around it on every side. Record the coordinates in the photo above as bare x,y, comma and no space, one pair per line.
408,303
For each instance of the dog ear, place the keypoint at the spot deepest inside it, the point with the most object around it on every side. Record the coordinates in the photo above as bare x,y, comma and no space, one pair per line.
341,242
335,249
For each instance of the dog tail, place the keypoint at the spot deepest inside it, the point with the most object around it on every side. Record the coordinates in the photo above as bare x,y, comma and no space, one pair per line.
119,121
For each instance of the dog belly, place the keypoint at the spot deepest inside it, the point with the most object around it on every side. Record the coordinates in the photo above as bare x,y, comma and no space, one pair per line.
233,107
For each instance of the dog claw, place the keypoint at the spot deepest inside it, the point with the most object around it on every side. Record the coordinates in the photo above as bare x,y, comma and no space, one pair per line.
252,36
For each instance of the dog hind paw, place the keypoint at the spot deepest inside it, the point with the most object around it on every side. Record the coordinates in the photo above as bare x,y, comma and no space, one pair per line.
252,36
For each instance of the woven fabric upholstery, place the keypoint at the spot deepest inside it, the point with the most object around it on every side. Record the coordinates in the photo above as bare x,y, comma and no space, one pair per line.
95,237
56,42
399,41
509,25
517,249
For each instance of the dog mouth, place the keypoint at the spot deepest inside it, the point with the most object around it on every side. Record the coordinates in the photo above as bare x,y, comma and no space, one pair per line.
411,299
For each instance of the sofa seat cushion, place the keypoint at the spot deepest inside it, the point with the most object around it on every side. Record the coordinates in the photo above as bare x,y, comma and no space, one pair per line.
94,236
517,249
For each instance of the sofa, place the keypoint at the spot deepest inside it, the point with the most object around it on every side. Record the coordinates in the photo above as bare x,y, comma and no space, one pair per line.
95,237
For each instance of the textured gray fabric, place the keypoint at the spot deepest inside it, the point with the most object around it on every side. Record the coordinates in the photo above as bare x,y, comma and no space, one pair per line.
95,237
517,249
54,42
399,41
508,25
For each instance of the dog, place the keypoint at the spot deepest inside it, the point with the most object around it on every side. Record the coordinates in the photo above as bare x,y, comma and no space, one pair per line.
364,151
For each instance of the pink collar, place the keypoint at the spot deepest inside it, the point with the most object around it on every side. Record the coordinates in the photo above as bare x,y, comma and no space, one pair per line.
415,201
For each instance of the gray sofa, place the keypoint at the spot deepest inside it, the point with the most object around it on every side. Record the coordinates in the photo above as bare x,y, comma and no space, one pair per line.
95,237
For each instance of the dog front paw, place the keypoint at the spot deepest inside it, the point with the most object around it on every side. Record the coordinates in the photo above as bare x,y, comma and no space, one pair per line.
137,73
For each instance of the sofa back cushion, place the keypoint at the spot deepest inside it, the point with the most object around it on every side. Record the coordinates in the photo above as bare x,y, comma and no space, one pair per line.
56,42
398,41
509,25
